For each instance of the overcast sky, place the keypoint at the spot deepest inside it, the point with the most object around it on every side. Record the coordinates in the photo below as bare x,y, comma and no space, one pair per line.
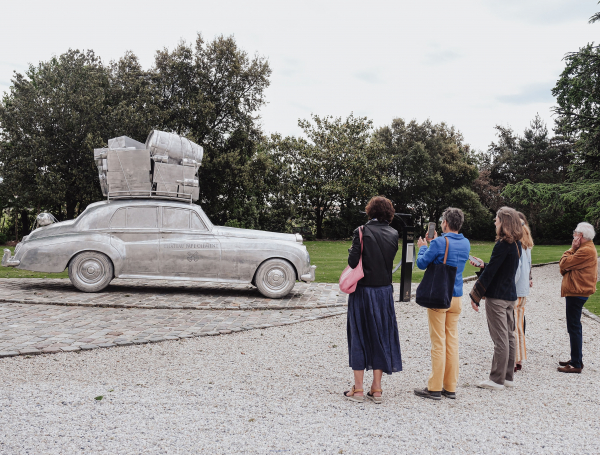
470,63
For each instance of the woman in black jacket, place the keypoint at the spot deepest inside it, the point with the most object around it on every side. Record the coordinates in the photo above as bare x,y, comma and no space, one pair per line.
496,283
373,342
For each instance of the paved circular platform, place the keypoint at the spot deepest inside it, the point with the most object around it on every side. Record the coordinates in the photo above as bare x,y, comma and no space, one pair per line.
49,315
162,294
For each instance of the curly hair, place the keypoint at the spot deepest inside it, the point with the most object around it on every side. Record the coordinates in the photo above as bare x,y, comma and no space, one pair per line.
381,208
510,229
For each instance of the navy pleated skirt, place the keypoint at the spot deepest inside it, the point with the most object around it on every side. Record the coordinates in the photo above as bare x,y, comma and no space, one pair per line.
373,342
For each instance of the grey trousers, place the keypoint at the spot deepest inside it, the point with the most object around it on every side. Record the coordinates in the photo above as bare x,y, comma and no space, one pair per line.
501,323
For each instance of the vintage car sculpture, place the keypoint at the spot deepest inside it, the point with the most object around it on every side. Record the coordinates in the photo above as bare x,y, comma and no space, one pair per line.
149,228
161,239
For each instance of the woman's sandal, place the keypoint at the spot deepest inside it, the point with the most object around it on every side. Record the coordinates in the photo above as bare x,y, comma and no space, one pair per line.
357,398
375,399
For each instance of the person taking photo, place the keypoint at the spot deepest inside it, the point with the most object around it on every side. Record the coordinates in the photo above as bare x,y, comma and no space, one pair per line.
443,324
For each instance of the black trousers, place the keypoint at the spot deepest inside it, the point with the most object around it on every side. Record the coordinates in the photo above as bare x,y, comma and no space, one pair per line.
574,306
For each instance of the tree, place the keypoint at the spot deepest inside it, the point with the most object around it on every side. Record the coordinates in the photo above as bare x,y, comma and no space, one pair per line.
577,95
58,111
337,165
210,90
430,166
533,156
132,99
578,107
51,119
211,93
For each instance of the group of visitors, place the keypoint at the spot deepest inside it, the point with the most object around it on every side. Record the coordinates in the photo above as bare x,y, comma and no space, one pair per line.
503,283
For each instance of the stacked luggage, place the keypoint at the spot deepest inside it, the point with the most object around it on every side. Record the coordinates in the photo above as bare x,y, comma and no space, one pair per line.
166,166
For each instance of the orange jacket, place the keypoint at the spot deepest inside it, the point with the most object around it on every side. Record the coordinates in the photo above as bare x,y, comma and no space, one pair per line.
580,271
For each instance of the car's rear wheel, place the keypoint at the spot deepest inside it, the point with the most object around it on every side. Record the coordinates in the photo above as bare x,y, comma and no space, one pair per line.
275,278
91,271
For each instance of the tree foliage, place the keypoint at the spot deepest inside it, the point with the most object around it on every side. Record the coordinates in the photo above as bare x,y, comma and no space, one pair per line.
58,111
578,107
211,92
430,168
338,165
51,119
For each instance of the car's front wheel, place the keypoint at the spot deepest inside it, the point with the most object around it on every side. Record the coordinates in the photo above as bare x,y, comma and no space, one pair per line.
275,278
91,271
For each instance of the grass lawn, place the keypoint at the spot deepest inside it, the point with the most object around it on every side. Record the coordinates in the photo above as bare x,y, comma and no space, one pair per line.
593,303
331,257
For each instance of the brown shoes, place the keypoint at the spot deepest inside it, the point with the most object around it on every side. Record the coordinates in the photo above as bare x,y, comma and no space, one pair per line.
568,362
569,369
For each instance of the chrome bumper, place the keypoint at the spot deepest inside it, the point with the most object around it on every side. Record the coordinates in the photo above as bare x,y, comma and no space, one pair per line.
310,276
7,260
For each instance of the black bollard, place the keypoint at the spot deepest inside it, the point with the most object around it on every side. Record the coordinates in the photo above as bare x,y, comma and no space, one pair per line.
408,259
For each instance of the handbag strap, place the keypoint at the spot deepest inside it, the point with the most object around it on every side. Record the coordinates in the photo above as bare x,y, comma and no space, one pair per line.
446,254
361,241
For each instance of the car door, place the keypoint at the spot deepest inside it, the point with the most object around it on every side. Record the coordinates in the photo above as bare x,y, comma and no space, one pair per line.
187,246
135,229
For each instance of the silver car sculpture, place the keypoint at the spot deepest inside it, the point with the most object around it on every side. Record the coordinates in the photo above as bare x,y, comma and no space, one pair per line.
161,239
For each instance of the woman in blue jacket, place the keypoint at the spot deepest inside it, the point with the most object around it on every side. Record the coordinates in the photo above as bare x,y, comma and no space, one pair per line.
443,324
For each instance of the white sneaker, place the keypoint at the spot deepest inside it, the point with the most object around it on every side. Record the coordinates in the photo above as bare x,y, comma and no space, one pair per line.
509,383
488,384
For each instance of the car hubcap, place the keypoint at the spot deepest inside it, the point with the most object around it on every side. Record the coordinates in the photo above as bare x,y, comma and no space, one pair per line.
91,270
276,278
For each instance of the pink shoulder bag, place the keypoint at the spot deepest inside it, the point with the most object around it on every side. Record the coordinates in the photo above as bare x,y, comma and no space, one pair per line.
351,276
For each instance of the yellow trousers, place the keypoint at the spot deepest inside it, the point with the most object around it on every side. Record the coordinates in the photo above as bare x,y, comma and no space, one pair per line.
443,331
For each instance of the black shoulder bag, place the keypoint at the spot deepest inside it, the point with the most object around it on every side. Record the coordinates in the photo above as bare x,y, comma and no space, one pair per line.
435,291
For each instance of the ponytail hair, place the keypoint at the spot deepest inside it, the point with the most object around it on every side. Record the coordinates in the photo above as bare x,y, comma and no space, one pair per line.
526,240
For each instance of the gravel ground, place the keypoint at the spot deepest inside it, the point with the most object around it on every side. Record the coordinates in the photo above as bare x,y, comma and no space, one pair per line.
278,390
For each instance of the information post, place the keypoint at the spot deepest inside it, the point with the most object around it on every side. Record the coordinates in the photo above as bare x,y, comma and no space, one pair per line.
408,250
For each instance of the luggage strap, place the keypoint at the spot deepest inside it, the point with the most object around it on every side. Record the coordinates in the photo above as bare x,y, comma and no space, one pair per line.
122,169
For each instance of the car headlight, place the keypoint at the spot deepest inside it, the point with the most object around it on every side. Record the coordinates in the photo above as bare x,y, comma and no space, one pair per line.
298,238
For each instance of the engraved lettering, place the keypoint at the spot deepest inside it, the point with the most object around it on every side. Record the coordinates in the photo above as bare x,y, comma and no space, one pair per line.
190,246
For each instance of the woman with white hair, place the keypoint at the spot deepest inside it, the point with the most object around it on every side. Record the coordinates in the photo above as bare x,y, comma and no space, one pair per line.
579,268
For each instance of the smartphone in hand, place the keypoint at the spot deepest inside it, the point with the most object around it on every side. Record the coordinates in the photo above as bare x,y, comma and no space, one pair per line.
476,261
431,231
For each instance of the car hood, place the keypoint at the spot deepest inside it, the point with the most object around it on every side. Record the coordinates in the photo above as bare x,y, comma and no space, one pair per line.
51,229
254,234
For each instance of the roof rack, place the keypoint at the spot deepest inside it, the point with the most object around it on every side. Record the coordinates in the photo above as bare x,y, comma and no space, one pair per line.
181,197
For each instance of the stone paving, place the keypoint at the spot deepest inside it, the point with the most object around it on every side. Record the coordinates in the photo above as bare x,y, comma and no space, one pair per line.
27,329
162,294
48,315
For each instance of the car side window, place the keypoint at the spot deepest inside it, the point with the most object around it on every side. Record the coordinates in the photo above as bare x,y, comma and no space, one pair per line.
142,217
197,224
119,219
135,218
176,218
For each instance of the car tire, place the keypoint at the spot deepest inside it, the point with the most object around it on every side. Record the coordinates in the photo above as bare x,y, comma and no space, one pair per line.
91,271
275,278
